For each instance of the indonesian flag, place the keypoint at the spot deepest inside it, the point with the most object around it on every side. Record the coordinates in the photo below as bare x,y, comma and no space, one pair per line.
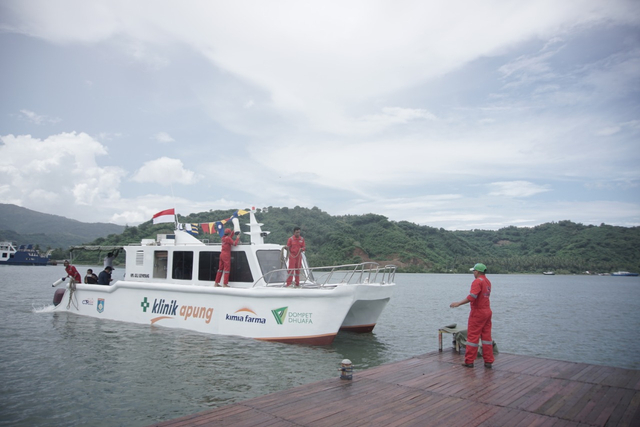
168,215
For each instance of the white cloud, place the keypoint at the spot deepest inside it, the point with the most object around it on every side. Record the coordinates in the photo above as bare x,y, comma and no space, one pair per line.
389,116
608,131
516,189
165,171
315,58
163,137
406,109
59,172
37,118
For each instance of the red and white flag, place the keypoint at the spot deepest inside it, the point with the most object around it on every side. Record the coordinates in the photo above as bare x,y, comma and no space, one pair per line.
168,215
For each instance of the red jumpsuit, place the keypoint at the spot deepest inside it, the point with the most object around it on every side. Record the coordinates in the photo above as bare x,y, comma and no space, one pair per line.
224,266
296,246
479,321
73,272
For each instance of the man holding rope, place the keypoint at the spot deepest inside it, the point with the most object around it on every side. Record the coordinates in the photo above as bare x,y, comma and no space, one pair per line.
72,272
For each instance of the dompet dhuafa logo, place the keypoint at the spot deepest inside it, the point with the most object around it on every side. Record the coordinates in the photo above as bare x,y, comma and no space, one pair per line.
280,314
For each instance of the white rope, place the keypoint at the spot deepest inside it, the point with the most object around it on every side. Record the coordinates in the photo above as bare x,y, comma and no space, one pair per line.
72,291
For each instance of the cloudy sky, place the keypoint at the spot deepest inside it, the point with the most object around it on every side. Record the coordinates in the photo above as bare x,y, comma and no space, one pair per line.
461,114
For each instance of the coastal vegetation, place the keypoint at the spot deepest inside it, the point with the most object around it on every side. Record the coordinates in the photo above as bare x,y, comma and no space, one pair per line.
564,247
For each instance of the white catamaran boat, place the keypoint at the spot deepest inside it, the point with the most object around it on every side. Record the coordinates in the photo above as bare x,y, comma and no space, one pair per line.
170,282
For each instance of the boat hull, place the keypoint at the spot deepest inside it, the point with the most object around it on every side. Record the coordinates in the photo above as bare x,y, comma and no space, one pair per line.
371,299
23,257
308,316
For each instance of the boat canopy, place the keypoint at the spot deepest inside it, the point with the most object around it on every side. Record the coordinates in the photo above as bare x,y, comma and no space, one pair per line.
96,248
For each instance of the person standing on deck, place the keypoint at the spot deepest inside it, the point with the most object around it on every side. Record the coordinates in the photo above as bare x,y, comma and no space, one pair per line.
224,266
479,326
72,272
296,246
108,260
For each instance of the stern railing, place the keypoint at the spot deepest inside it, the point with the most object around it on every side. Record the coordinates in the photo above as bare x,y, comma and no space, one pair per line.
331,276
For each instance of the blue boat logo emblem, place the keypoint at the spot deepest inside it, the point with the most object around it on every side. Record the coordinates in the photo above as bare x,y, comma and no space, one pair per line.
100,306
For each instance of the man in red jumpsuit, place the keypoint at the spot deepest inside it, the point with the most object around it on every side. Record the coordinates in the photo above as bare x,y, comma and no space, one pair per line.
224,266
296,246
72,272
479,327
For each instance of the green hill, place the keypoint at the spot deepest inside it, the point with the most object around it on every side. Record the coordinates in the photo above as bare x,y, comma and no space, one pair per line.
24,226
563,247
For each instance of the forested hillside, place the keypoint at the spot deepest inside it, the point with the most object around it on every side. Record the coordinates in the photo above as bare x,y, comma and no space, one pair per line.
24,226
563,247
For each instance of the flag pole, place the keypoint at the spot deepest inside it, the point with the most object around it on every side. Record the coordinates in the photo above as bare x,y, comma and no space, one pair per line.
175,214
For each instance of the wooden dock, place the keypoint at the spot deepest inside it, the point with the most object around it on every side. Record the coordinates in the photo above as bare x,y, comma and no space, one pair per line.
435,390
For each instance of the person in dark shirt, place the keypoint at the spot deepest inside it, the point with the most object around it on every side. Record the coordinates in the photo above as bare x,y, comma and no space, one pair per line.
90,278
105,276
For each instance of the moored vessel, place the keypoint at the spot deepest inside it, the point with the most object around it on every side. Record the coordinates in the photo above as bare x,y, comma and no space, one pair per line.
21,255
169,281
623,273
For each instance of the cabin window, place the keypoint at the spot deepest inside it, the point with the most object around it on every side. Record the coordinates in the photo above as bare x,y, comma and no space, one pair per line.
270,261
182,265
139,257
160,264
208,267
240,270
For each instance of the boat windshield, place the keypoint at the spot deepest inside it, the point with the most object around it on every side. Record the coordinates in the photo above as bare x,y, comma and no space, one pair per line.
269,260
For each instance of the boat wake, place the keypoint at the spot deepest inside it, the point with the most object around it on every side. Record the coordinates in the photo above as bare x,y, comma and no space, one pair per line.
43,308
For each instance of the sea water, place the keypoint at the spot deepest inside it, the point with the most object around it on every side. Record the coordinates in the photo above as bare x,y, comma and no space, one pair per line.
63,369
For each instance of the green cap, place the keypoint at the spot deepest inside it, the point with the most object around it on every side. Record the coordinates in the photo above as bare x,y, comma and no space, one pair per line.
480,267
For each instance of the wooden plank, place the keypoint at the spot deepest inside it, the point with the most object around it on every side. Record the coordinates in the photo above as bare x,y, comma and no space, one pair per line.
574,403
433,389
631,416
608,405
584,415
560,399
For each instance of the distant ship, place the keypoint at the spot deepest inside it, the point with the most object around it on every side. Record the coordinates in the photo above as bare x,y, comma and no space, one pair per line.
23,255
548,273
623,273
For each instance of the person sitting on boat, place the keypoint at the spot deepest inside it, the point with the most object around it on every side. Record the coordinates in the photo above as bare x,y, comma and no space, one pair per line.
72,272
224,267
296,246
105,276
90,278
108,260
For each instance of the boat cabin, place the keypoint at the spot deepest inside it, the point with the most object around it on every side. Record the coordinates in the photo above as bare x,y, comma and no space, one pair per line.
182,259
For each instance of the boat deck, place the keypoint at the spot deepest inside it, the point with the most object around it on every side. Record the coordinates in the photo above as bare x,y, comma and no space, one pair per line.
435,390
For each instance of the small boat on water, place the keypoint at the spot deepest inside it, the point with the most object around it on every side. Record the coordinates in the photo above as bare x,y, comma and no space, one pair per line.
22,255
549,273
169,282
623,273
